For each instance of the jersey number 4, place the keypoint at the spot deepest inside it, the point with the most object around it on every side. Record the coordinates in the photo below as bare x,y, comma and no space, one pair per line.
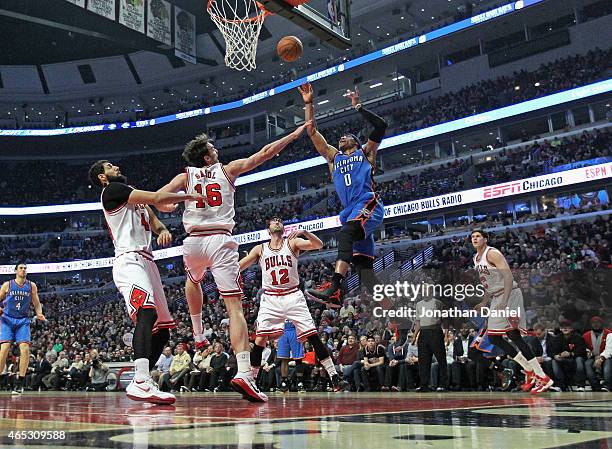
284,277
213,195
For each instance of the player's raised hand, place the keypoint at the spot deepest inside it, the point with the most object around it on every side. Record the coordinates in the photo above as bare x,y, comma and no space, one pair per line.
353,95
40,317
299,130
164,238
295,234
307,92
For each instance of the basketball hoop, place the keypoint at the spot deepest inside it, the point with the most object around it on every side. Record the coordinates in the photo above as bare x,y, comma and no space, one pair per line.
240,23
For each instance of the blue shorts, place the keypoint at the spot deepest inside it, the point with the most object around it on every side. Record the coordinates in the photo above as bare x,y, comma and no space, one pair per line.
369,211
288,345
14,329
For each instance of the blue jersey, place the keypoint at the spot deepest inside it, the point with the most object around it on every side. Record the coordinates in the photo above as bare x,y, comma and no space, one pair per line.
289,326
352,177
17,301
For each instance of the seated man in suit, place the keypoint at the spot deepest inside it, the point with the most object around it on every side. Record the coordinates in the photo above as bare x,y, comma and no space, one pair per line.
463,370
541,343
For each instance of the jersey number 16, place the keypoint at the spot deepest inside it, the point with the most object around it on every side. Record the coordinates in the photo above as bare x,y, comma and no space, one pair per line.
213,195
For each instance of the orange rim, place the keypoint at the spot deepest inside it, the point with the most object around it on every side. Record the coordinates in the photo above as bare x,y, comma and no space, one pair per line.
264,12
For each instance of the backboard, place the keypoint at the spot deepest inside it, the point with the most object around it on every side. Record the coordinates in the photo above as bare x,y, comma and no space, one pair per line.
329,20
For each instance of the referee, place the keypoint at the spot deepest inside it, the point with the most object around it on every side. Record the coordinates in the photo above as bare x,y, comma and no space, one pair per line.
430,339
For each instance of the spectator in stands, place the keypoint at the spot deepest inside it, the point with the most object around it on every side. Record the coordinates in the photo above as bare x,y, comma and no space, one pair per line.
198,375
163,365
396,352
219,365
178,369
372,370
74,373
463,370
409,374
347,357
542,345
596,340
569,355
97,373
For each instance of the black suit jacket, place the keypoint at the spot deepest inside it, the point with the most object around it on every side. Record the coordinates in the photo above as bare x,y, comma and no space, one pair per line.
43,367
536,346
458,347
574,344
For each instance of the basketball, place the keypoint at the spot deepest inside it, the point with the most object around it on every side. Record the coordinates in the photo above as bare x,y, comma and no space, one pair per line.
289,48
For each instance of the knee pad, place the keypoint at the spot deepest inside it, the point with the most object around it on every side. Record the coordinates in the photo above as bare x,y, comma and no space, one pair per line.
350,233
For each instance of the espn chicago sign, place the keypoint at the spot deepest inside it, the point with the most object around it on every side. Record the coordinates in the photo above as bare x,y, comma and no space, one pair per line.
513,188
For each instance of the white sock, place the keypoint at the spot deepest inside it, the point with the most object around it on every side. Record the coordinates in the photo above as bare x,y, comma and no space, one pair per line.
196,321
537,368
141,368
244,361
521,360
328,364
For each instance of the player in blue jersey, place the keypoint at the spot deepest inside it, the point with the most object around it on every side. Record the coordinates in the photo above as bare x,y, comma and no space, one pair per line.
290,348
352,168
16,296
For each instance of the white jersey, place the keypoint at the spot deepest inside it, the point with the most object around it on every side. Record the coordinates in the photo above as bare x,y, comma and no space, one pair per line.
279,269
490,277
129,228
216,212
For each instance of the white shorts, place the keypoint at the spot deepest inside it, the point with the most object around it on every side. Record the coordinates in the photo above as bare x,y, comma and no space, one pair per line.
137,278
275,309
218,252
501,325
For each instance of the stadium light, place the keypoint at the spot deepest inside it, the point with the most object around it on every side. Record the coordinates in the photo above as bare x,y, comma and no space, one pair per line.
376,85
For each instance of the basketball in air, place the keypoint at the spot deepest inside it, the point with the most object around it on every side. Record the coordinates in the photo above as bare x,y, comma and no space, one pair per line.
289,48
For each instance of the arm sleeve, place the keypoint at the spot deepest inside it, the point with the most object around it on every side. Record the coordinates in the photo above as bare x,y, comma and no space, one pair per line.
379,124
115,195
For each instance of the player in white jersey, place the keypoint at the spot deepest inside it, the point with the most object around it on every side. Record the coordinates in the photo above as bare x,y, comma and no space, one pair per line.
209,223
504,294
282,298
130,222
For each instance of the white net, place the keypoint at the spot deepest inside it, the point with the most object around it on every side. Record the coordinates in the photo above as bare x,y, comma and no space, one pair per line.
240,23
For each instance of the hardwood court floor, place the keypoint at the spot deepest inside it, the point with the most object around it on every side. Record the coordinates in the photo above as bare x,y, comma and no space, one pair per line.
312,420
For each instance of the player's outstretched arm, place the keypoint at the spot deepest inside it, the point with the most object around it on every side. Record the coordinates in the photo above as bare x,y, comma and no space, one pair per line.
178,184
380,126
161,198
36,302
321,145
250,258
240,166
164,238
309,242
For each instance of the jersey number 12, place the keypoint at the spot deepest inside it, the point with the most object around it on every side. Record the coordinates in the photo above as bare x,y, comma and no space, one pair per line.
284,276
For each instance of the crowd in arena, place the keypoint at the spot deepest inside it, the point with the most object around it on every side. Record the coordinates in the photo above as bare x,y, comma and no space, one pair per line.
517,163
552,77
562,269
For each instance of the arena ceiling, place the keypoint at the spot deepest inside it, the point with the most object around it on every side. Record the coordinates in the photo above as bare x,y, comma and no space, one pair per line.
37,32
